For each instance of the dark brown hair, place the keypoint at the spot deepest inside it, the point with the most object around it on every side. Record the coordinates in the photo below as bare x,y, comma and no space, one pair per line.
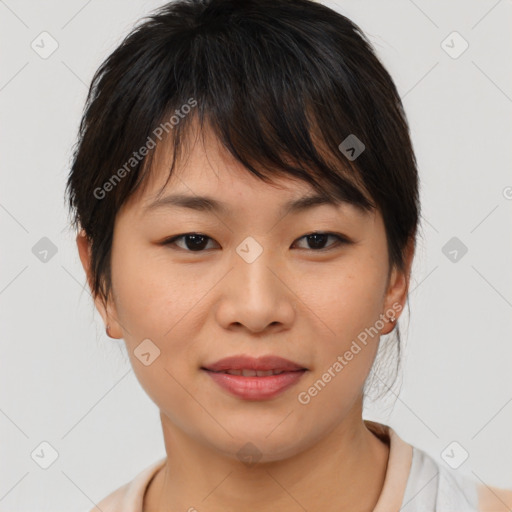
281,83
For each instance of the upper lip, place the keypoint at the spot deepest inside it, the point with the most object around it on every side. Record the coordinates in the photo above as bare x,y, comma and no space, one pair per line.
264,363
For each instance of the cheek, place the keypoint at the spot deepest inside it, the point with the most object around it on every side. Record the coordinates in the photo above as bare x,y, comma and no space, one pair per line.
157,302
348,310
347,296
152,295
151,305
347,301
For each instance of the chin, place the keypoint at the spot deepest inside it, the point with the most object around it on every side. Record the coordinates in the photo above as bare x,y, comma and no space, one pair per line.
254,442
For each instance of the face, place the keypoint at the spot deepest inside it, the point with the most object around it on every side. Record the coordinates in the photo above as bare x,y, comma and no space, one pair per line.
252,282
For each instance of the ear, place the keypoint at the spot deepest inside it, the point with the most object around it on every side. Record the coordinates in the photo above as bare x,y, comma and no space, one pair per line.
107,311
398,287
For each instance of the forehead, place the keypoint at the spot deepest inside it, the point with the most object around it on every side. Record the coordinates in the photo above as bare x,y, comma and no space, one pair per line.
207,177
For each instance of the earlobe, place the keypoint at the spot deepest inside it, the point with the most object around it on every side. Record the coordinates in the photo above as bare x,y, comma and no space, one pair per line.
390,320
398,288
112,328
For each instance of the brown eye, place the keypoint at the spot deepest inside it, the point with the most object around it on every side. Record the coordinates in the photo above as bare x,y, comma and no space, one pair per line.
197,242
193,242
317,241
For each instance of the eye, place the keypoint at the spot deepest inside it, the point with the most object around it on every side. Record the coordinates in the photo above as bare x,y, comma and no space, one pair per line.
197,242
194,242
318,240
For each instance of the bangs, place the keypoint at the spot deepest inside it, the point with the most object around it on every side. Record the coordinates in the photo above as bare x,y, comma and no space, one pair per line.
278,104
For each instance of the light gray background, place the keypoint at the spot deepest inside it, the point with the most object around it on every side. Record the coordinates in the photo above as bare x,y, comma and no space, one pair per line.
63,381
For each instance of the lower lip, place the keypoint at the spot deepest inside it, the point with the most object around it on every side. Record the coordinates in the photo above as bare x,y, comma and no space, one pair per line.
256,388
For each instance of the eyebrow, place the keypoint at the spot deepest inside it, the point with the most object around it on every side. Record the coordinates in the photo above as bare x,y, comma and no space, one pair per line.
209,204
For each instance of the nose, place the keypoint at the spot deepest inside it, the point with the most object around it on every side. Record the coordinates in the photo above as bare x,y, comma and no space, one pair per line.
256,296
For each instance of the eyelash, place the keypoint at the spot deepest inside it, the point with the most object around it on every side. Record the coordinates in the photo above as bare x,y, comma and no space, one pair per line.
341,240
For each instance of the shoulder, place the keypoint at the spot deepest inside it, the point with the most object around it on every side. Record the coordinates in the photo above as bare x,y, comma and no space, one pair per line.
129,497
456,490
438,487
432,485
113,501
494,499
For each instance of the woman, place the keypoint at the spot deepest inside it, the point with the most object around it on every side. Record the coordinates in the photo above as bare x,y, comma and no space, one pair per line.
246,195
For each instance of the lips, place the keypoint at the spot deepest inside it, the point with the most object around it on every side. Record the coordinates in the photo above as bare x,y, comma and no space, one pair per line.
260,364
255,378
252,373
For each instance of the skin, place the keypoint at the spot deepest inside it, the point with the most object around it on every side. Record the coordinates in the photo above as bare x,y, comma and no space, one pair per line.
295,301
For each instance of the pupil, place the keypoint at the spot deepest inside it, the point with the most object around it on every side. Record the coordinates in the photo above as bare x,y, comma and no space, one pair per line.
314,241
198,242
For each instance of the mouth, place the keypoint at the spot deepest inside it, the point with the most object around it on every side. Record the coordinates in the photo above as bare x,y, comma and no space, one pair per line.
252,373
251,378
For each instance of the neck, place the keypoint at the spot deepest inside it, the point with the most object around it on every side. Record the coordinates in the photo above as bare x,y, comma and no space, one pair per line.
350,463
